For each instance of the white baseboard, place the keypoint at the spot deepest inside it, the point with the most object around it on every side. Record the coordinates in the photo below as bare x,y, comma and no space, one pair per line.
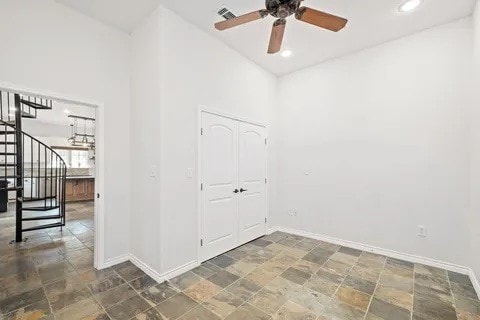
475,282
385,252
162,277
112,262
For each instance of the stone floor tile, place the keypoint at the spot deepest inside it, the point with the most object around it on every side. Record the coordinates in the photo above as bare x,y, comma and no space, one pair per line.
38,310
428,307
128,308
468,305
268,301
223,278
430,271
21,300
296,276
362,285
143,283
460,290
202,290
128,271
200,313
244,288
161,292
293,311
150,314
388,311
248,312
243,267
353,297
400,263
185,280
223,304
350,251
115,295
206,270
339,310
176,306
66,292
222,261
105,284
459,278
19,283
80,310
393,296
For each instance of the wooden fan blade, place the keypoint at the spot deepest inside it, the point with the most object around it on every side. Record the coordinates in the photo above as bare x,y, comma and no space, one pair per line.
321,19
249,17
276,37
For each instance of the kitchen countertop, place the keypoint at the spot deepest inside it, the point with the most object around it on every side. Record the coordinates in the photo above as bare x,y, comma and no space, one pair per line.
79,177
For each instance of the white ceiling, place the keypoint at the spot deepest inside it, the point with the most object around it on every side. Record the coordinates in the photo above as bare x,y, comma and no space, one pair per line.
57,115
371,22
121,14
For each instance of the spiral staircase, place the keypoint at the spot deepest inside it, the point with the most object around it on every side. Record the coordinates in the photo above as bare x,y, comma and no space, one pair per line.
30,169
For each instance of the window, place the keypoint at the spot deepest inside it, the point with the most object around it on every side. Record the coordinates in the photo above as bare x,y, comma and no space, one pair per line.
79,159
75,158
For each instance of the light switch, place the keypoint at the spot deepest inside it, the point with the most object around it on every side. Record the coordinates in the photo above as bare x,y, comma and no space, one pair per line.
189,173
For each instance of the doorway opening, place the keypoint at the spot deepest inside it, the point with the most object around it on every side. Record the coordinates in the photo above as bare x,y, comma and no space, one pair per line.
49,163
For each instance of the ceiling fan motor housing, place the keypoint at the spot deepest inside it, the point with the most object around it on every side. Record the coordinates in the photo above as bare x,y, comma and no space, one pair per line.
281,8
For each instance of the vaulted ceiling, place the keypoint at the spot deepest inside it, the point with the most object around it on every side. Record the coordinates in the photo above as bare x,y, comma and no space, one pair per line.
371,22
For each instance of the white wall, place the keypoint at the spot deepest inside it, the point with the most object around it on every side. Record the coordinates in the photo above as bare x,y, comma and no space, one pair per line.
475,153
41,129
145,135
376,143
195,70
48,47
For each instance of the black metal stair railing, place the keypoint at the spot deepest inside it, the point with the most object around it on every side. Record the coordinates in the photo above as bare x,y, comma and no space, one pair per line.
30,168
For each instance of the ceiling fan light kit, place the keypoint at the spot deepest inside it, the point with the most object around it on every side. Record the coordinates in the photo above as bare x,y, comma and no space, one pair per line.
282,9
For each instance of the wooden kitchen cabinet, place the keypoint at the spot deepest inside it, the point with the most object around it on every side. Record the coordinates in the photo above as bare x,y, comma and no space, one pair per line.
80,189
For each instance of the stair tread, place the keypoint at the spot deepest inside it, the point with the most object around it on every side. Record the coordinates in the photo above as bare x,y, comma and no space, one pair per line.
40,208
35,105
28,115
45,226
12,188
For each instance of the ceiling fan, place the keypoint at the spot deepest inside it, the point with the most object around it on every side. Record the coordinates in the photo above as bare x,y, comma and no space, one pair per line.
282,9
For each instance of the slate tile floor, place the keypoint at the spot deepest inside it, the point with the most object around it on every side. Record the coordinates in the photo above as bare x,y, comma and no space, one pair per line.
278,277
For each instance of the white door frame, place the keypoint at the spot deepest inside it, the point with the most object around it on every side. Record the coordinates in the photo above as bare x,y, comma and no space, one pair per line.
99,215
203,109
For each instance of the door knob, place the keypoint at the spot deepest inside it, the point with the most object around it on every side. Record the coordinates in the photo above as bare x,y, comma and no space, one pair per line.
243,190
236,191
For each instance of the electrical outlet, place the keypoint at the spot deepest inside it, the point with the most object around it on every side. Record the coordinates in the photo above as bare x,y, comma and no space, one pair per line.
422,231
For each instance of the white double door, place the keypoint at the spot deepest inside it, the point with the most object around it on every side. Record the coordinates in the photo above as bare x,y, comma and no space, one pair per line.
233,201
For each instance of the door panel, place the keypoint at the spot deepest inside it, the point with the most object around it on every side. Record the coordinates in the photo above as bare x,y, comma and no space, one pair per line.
252,174
219,225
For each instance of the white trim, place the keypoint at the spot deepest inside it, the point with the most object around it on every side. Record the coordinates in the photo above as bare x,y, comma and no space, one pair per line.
476,284
159,277
112,262
99,216
271,230
385,252
230,116
203,109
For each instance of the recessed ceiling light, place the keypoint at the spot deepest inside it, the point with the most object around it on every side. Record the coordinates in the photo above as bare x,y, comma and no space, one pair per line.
286,53
409,5
67,111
